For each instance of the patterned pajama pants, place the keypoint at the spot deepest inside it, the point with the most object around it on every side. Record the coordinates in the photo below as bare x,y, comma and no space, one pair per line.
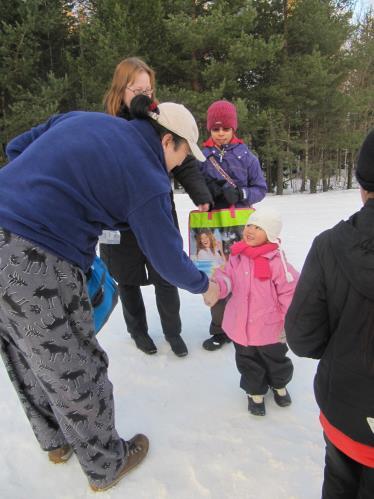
53,359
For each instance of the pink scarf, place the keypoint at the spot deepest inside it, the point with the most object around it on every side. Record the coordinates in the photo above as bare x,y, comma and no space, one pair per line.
261,264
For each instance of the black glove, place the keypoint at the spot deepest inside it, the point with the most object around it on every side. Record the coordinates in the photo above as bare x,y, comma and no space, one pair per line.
232,195
215,186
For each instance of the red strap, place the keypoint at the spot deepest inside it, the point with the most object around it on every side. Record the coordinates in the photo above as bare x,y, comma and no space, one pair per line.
232,209
361,453
221,171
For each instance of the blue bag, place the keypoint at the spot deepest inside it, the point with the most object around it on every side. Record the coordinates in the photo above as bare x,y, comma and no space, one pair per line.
102,291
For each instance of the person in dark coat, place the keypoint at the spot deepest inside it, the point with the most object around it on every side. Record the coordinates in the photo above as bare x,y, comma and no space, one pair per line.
331,318
125,260
234,159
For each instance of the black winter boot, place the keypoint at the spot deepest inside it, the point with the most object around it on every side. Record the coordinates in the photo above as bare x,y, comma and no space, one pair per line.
215,342
145,343
282,397
178,346
256,405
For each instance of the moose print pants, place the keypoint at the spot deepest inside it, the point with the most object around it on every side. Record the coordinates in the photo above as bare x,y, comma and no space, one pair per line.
53,359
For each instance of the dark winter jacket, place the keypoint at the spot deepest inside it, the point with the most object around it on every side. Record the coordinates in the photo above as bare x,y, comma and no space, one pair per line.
241,165
83,172
331,318
188,174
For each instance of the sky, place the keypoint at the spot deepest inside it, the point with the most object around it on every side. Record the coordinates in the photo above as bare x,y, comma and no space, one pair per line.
363,6
203,442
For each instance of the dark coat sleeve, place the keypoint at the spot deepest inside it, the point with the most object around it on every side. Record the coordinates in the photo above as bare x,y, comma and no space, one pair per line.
307,320
188,174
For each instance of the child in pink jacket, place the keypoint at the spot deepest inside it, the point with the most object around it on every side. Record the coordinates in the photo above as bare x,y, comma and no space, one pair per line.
261,284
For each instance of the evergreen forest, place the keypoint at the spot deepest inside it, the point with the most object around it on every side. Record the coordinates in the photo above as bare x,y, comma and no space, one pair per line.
301,72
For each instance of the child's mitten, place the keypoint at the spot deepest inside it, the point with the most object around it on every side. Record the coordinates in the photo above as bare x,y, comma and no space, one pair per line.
215,187
233,195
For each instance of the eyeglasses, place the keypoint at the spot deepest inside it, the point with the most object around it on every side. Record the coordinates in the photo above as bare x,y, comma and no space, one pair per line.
139,91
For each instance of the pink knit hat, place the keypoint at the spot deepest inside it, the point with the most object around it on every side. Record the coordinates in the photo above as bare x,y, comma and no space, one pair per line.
222,113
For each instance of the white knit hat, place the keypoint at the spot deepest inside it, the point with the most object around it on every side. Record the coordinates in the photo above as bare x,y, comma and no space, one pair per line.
178,119
269,220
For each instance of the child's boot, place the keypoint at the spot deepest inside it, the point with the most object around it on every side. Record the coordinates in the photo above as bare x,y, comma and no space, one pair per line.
282,397
256,405
215,342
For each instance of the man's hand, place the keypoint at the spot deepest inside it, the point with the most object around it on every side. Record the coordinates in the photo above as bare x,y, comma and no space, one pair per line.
204,207
211,295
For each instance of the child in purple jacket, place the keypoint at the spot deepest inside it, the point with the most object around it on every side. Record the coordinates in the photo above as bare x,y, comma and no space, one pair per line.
233,158
262,285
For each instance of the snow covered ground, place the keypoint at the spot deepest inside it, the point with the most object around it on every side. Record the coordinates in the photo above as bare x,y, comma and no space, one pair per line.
203,442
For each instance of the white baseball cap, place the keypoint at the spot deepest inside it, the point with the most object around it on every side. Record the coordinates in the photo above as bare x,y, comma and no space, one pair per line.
269,220
178,119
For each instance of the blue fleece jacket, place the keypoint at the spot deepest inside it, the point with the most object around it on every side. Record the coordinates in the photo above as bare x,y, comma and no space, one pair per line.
80,173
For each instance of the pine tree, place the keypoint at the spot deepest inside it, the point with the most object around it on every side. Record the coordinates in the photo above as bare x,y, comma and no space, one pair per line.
359,88
213,53
304,86
33,61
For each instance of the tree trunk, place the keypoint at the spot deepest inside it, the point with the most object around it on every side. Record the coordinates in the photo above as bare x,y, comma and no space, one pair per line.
350,172
196,87
279,176
313,186
325,185
195,83
304,174
338,170
269,178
